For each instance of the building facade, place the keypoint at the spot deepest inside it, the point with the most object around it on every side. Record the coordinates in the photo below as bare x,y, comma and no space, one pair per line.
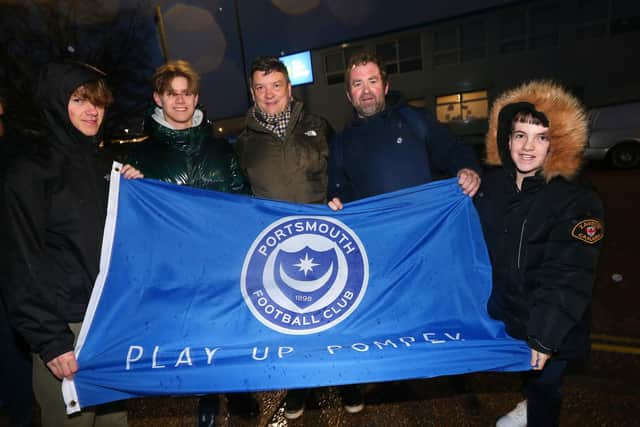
456,67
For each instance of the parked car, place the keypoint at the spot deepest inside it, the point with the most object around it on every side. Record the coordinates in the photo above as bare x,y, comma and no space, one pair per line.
615,135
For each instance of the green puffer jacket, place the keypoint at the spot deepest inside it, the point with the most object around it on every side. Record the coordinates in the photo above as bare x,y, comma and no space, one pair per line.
191,157
292,169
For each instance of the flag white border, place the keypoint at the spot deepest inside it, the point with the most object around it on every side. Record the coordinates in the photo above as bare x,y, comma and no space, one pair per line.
69,391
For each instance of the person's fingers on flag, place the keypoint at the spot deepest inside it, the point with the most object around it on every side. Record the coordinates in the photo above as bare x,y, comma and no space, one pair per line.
469,181
543,360
335,204
64,366
129,172
538,360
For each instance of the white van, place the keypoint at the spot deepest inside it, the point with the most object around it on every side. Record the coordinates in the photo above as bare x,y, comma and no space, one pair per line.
614,134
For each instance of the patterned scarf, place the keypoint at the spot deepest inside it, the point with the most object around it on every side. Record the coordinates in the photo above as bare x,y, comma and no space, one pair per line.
276,123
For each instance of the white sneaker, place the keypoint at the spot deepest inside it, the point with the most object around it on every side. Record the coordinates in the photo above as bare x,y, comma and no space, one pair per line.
516,418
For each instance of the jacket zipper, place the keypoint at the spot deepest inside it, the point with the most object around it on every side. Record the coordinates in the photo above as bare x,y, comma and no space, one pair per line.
520,245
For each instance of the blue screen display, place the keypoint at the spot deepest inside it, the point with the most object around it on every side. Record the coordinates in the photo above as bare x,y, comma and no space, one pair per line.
299,67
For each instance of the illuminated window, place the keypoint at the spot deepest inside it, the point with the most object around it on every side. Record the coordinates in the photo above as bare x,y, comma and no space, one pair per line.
463,107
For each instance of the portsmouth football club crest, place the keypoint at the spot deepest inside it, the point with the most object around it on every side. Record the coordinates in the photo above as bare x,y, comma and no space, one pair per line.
304,274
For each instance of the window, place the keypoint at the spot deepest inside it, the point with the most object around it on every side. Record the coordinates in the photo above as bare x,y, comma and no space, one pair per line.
529,28
388,53
401,55
410,54
600,18
462,43
513,31
544,26
334,67
625,16
445,47
465,106
592,18
473,41
335,63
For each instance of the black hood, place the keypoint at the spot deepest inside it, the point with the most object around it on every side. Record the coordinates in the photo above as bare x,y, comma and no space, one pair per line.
505,124
56,83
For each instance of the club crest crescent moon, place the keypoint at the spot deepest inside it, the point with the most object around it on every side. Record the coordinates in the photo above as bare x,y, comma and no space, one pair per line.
304,274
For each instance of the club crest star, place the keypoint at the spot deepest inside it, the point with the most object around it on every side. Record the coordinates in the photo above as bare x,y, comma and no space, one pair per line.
306,264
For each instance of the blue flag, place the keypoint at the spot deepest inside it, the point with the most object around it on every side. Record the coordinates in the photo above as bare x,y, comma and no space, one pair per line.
204,292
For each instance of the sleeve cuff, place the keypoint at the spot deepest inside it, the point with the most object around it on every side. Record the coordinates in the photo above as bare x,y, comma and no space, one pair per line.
535,344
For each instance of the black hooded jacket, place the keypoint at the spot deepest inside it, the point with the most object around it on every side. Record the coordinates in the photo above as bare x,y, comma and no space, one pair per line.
54,209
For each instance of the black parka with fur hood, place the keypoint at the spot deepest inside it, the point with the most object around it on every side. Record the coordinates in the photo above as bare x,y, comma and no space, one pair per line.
54,209
543,239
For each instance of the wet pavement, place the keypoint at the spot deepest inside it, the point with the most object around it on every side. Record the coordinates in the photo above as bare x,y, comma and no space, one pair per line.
604,391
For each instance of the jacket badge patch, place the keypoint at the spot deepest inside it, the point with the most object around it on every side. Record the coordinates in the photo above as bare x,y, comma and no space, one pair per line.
311,133
589,231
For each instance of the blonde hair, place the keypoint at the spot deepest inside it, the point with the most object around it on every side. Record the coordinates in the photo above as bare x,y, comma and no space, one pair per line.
169,71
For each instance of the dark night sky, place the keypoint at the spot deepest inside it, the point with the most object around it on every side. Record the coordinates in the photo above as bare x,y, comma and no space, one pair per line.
206,33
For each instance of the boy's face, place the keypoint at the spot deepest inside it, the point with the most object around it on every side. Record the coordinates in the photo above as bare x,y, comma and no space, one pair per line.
529,145
178,103
84,116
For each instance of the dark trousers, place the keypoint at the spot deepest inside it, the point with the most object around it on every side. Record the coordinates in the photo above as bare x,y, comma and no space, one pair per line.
15,374
543,390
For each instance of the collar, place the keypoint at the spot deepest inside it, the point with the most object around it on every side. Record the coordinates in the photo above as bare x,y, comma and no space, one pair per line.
532,183
158,116
263,117
276,123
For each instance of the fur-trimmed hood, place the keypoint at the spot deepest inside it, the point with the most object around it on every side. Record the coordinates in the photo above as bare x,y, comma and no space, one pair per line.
567,122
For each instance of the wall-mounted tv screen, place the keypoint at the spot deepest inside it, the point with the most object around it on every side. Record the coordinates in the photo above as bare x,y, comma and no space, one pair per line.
299,67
